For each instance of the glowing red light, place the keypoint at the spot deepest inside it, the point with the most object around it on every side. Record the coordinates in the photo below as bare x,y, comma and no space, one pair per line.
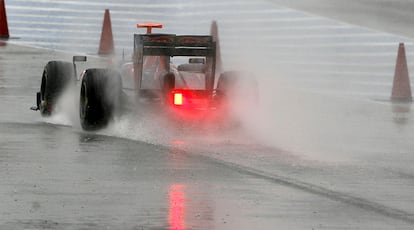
178,99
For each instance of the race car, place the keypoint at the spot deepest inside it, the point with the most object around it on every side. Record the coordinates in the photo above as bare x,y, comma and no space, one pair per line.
170,74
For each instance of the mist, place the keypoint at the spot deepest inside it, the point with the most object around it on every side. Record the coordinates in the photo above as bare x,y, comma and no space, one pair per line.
315,116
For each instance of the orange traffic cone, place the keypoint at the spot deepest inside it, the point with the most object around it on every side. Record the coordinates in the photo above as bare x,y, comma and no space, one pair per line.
106,45
401,89
4,28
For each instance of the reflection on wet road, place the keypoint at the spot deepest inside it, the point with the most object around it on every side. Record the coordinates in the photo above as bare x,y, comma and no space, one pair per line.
61,179
177,206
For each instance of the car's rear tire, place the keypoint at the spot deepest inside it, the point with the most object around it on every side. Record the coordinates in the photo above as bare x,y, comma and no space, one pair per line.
237,96
237,84
227,81
57,75
100,98
237,88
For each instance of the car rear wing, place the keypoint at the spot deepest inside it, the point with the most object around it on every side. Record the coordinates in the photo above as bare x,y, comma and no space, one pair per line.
174,45
171,45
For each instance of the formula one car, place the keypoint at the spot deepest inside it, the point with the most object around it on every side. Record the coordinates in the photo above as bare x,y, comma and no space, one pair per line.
188,91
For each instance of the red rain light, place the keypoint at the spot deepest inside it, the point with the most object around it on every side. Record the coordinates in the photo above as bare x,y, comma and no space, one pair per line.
178,99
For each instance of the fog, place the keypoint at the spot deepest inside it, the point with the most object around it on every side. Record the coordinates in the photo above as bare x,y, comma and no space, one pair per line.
323,118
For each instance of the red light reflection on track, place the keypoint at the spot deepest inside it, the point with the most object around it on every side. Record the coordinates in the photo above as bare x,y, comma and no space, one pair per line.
177,209
178,143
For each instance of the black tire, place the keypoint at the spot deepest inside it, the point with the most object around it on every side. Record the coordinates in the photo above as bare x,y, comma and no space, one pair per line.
233,84
100,98
57,75
228,81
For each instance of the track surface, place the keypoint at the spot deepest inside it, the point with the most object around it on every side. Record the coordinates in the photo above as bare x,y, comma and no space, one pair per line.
392,16
331,154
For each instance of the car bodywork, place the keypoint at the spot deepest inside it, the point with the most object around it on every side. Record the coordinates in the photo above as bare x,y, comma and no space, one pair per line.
185,90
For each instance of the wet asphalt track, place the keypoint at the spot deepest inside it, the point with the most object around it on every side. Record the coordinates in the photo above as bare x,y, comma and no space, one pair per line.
392,16
56,176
